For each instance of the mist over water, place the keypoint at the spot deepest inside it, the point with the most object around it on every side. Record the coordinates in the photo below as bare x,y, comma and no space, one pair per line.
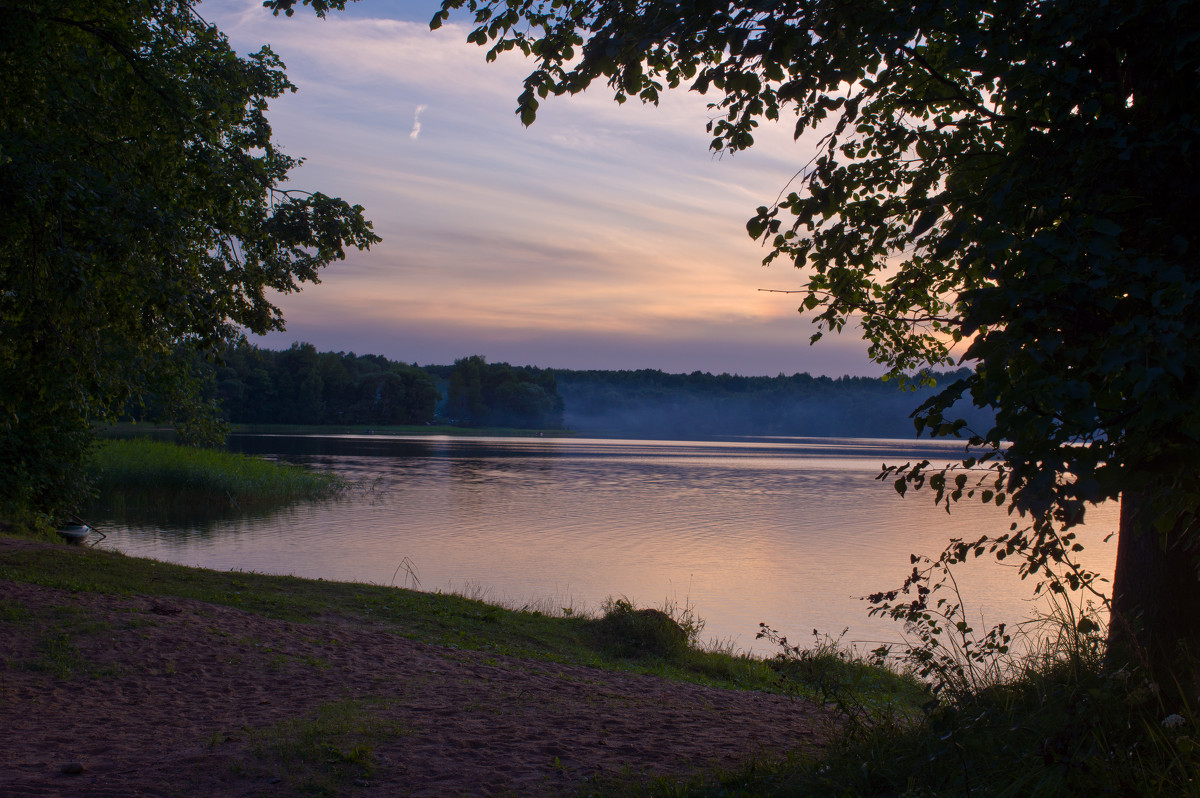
701,406
790,532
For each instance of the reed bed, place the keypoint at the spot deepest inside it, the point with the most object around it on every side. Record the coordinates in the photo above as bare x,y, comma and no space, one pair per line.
140,472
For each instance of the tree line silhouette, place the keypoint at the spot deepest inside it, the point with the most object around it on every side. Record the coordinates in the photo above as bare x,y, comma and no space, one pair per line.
302,386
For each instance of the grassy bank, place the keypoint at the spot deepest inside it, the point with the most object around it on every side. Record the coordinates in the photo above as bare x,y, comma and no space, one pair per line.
139,472
1057,722
618,640
342,729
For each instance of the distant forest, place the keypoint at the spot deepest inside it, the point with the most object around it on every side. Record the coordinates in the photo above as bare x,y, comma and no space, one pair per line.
303,386
482,394
300,385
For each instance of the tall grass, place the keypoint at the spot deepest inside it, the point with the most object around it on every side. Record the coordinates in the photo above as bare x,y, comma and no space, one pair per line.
139,472
1049,717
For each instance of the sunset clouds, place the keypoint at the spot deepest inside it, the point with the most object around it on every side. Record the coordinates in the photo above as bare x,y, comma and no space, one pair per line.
603,236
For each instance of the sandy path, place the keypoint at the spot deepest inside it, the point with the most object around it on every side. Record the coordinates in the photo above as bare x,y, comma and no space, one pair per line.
157,697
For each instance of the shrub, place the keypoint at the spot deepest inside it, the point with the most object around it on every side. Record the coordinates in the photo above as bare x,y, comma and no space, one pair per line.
630,632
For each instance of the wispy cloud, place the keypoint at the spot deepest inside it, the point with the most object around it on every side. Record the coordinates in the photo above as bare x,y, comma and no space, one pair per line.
599,227
416,128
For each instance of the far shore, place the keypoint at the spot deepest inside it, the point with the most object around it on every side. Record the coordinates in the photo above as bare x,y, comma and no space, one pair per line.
138,428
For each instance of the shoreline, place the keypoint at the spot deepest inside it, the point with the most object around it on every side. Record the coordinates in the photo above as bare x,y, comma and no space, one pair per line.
161,692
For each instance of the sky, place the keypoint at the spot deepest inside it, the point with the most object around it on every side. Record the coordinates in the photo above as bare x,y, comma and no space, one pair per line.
603,236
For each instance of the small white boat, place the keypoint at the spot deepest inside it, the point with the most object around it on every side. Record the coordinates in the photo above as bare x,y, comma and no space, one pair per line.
75,533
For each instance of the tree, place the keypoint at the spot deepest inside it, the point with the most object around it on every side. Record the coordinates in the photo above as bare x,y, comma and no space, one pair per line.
1008,184
302,386
464,394
141,211
499,395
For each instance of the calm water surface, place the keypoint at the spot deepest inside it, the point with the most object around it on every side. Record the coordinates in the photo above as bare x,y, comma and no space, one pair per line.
790,532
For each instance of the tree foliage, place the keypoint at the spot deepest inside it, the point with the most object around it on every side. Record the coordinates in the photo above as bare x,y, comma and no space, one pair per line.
1009,184
302,386
142,209
483,394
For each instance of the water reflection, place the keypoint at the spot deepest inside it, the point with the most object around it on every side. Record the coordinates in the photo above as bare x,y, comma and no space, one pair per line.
784,531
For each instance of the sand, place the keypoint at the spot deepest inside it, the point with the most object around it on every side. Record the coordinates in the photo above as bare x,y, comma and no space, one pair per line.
149,696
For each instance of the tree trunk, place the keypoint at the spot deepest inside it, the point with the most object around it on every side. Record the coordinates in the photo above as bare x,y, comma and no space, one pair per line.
1156,597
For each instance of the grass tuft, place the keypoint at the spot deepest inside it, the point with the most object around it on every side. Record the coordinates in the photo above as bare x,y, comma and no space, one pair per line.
626,631
323,753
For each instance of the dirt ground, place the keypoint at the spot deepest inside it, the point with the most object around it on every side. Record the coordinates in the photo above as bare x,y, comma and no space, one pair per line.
123,696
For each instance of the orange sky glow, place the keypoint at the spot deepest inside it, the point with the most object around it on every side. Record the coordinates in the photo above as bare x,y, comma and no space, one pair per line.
603,236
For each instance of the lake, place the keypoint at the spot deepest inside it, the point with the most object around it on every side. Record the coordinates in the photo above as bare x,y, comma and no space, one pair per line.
790,532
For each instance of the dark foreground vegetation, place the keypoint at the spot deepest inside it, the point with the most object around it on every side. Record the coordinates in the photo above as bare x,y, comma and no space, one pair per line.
1057,721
